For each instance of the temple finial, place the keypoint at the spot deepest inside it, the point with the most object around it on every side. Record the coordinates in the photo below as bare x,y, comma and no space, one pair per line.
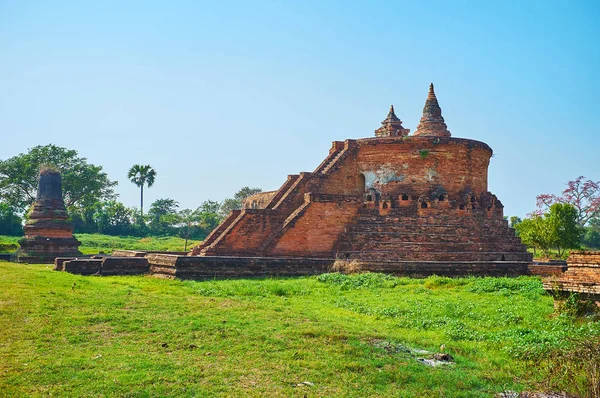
391,126
432,123
431,93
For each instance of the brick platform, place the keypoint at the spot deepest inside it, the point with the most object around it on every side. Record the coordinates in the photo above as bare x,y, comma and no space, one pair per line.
582,276
102,265
223,267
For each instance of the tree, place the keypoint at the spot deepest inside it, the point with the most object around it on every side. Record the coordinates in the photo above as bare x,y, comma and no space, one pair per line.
163,216
236,202
583,194
563,227
513,221
557,228
141,175
534,233
186,221
591,237
113,218
83,183
10,222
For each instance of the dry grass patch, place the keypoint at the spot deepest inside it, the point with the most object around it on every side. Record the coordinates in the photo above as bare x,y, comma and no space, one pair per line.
348,267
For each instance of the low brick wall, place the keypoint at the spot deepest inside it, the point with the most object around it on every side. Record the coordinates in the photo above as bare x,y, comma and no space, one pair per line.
124,266
85,266
128,253
549,268
196,267
208,267
102,266
59,261
582,277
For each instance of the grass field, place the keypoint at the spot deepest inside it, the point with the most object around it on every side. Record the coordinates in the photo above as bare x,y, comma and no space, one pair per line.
68,335
94,243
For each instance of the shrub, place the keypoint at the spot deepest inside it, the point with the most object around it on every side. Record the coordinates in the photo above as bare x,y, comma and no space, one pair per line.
574,368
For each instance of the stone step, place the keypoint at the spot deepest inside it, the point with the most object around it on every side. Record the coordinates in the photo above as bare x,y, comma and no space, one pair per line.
403,236
430,229
435,256
409,247
462,221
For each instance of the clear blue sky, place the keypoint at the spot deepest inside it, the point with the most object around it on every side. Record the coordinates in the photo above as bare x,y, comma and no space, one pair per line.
219,95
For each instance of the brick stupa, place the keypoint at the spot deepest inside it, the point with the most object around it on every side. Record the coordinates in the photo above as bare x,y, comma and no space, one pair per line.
48,231
404,204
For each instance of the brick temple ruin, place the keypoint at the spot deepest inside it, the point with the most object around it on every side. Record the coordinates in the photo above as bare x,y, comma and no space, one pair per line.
48,231
404,204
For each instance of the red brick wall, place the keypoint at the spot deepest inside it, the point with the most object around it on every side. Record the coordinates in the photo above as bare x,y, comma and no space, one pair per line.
316,231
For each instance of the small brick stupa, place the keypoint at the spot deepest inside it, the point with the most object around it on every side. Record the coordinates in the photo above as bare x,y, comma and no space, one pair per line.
48,232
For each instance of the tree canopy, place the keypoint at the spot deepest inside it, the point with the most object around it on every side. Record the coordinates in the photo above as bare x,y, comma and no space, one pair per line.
557,228
583,194
142,175
82,183
236,202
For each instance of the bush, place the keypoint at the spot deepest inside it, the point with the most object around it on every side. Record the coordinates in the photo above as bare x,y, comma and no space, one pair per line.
574,368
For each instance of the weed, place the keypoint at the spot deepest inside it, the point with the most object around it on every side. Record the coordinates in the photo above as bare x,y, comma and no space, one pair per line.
573,368
423,153
576,307
435,281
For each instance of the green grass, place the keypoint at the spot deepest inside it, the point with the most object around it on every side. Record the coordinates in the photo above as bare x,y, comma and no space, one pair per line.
8,244
94,243
68,335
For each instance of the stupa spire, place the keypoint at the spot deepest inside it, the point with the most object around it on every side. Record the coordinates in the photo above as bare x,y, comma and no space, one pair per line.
432,122
391,126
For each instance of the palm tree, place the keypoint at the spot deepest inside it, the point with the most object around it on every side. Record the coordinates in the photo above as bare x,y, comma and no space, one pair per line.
140,176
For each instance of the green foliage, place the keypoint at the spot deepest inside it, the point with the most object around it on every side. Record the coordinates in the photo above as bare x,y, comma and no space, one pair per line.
533,233
565,232
236,202
163,217
94,243
557,229
513,222
9,244
10,222
113,218
208,217
591,234
575,307
364,280
530,287
423,153
83,184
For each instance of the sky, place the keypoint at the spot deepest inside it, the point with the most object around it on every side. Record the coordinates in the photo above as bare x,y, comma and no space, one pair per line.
220,95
